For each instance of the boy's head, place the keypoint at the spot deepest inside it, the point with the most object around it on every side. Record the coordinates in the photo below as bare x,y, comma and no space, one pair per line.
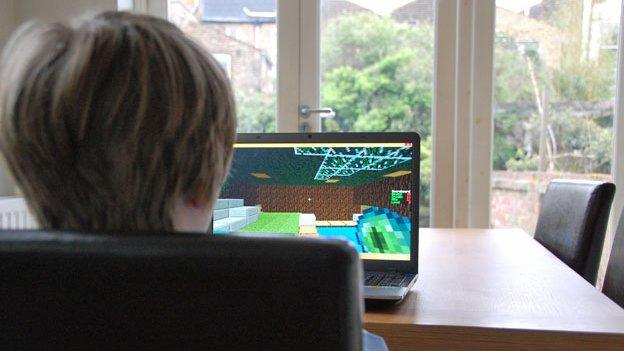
117,122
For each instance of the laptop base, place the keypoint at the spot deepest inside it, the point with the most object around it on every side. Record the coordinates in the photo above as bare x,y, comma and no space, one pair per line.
389,293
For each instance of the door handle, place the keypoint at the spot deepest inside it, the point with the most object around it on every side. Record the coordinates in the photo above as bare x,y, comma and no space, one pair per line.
305,111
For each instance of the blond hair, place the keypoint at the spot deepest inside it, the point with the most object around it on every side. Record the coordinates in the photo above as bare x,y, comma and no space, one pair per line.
106,122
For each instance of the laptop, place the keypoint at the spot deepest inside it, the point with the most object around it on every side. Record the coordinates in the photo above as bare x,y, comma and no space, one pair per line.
360,187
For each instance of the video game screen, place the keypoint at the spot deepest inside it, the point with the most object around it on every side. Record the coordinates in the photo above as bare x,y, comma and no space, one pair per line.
357,191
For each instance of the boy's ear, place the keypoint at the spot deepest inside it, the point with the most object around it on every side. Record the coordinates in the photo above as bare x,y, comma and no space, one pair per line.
197,200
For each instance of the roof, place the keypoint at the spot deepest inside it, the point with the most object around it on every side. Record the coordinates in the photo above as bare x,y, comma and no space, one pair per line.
415,12
238,11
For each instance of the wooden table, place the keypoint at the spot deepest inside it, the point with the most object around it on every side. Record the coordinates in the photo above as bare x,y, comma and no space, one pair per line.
490,289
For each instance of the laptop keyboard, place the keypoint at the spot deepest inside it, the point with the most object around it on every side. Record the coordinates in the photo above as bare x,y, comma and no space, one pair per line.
387,279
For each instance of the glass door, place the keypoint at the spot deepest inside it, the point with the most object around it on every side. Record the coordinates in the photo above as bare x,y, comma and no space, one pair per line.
376,72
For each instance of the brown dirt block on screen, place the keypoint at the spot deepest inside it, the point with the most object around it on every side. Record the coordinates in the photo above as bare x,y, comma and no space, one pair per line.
326,202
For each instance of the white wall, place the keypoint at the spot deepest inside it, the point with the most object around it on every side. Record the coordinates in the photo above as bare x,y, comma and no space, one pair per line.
7,19
7,24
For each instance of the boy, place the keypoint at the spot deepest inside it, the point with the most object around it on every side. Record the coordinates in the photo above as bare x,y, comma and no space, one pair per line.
117,123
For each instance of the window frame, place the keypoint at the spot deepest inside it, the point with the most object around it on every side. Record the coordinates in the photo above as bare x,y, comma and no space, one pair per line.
617,164
462,116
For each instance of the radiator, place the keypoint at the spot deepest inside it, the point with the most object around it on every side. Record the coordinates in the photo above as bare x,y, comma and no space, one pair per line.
14,214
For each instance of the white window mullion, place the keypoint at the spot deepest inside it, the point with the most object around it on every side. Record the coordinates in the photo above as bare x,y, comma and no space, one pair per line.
298,64
288,64
156,8
310,75
473,114
482,117
463,95
443,123
617,165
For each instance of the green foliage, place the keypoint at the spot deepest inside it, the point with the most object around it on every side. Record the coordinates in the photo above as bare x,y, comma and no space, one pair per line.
581,142
522,162
361,40
585,80
587,147
380,87
512,81
507,140
380,97
256,113
378,77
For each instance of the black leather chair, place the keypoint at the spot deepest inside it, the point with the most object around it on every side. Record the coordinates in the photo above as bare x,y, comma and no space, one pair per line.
614,279
177,292
572,223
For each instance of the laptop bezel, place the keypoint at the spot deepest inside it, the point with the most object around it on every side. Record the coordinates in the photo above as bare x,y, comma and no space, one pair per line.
410,266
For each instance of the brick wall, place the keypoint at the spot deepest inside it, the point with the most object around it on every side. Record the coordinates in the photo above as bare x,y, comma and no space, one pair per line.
516,196
252,50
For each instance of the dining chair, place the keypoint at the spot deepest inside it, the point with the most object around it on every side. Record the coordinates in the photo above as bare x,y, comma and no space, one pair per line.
614,279
120,291
572,223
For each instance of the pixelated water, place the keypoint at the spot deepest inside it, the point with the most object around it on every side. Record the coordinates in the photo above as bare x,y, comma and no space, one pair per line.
339,232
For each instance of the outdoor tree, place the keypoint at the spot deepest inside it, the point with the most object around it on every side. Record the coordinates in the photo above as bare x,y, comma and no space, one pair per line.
378,77
256,113
566,92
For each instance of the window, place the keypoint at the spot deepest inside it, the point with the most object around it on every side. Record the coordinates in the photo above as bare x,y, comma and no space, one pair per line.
555,82
373,63
376,71
244,41
225,61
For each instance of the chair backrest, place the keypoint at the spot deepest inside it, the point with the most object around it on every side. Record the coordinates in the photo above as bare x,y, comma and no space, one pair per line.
614,279
573,221
178,291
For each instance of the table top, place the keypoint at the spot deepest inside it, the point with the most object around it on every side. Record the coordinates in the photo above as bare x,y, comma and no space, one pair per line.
497,278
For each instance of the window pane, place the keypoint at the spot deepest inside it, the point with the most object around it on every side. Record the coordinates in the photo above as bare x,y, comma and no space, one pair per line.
555,64
377,71
242,36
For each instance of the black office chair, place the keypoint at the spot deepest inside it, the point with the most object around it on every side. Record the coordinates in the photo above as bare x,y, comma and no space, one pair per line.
572,223
177,292
614,279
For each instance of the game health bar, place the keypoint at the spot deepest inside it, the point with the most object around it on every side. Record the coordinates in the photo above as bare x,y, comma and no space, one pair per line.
399,197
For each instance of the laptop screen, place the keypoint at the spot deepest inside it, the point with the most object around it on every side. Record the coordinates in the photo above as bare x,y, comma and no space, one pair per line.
357,191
